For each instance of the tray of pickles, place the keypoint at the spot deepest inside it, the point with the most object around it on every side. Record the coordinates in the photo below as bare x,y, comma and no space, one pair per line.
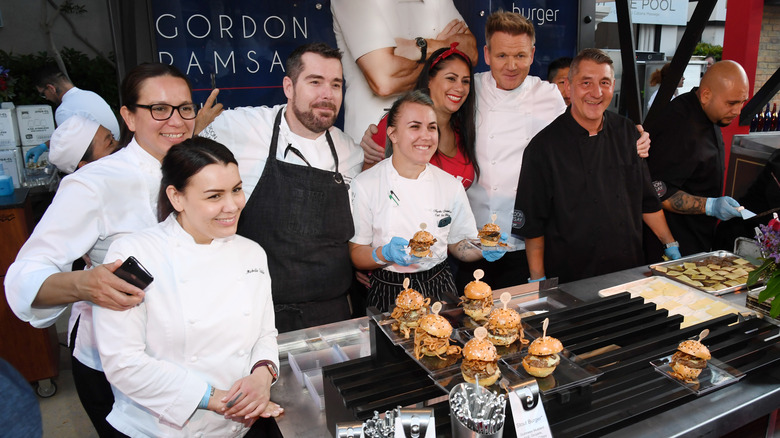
717,272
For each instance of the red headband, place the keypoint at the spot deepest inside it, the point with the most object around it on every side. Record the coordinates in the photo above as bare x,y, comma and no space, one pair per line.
449,52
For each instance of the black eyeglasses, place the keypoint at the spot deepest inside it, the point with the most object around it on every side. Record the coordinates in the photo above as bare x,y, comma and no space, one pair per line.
162,111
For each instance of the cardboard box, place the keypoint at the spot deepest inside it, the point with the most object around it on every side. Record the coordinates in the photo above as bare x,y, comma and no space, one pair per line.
11,160
9,128
36,123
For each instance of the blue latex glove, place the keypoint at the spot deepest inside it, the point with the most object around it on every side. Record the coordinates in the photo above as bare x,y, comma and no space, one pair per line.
544,277
394,251
35,153
723,208
673,252
492,255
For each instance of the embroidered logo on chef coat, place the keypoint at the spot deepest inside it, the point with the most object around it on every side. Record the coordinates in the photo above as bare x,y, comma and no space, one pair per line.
254,271
660,188
518,219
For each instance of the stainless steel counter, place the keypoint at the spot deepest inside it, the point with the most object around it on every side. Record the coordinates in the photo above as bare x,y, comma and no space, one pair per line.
755,396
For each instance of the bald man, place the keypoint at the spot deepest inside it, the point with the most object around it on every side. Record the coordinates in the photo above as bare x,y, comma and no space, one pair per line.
687,163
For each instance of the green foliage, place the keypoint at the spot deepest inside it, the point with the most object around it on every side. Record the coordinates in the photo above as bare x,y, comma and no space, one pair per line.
94,74
706,49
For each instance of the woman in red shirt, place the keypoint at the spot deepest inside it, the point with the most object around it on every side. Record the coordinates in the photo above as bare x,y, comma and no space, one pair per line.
447,77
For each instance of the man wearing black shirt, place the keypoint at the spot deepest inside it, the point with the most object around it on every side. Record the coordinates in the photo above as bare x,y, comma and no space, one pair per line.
585,192
687,163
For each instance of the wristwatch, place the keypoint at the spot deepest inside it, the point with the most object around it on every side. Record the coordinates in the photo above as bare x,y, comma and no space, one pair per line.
423,45
672,245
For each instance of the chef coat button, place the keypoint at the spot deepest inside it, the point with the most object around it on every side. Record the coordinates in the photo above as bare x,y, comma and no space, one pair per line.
493,162
191,321
199,434
234,428
241,352
491,136
495,188
194,359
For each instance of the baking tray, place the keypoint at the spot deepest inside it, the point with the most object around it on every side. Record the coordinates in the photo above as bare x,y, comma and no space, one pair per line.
726,284
677,298
715,376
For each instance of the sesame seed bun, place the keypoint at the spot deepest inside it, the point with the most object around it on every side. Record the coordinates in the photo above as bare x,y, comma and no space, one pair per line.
544,346
695,348
477,290
480,349
435,325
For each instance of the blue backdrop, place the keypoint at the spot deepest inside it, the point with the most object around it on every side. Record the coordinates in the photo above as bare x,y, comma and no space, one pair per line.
245,43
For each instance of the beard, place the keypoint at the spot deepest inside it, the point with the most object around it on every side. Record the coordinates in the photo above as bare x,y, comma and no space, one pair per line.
315,123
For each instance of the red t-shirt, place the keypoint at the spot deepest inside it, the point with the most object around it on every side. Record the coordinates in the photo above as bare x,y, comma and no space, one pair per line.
458,166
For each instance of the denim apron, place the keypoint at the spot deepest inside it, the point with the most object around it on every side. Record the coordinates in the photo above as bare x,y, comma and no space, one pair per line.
301,217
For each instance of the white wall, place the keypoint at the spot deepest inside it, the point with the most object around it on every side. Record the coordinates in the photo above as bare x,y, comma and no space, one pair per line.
21,32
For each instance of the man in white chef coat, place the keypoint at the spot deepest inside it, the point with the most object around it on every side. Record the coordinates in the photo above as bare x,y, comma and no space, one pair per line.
512,107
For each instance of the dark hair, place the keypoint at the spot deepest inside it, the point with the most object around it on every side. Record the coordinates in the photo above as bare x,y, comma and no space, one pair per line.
508,22
49,74
556,65
131,89
415,96
462,121
294,63
183,161
596,55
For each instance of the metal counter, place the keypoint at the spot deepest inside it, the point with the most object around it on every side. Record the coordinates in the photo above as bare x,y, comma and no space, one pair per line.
755,396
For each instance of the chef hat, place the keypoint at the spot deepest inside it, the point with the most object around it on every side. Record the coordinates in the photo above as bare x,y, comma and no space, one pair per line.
70,141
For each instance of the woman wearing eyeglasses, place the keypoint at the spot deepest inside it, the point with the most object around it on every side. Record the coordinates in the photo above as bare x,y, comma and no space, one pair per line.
446,77
105,199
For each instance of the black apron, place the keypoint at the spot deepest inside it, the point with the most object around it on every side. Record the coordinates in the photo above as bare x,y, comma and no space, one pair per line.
301,216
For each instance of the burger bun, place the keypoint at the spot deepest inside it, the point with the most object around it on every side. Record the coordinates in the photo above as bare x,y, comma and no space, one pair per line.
544,346
478,290
695,348
435,325
487,381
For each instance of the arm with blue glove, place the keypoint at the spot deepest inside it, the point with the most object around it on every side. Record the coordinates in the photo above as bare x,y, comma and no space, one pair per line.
723,208
657,222
367,257
34,154
493,253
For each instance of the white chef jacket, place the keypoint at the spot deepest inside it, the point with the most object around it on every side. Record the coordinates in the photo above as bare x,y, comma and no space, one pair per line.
506,122
105,199
362,26
432,198
206,319
87,104
247,132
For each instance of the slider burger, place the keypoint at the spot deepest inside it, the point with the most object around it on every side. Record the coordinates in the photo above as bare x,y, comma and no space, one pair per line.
477,301
542,356
420,244
480,360
489,235
689,360
409,307
503,327
432,337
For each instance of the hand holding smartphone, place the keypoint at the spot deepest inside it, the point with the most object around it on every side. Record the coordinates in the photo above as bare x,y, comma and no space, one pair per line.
133,272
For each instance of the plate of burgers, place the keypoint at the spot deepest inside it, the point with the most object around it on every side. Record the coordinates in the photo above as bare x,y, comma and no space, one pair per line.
693,367
399,325
421,250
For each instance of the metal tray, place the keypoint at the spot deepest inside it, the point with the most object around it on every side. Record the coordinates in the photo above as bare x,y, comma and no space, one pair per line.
663,269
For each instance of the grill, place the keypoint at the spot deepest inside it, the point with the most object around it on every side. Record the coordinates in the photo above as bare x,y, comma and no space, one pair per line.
619,335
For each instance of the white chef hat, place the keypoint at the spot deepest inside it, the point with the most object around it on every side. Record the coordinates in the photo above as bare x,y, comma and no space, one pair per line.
70,141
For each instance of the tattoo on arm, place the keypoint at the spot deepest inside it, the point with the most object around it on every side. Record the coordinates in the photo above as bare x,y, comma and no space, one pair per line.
465,252
684,203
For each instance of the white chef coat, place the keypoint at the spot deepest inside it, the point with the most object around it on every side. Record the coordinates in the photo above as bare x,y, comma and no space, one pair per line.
247,132
206,319
506,122
87,104
362,26
431,198
105,199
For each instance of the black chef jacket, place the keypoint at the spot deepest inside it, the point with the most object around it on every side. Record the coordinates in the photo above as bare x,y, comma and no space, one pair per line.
687,154
586,196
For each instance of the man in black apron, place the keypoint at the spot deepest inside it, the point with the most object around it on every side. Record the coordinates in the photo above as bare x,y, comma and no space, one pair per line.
688,157
299,210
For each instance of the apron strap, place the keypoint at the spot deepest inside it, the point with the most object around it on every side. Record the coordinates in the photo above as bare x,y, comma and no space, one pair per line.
275,135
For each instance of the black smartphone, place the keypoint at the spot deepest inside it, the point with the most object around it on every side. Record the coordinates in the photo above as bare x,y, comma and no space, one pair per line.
133,272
